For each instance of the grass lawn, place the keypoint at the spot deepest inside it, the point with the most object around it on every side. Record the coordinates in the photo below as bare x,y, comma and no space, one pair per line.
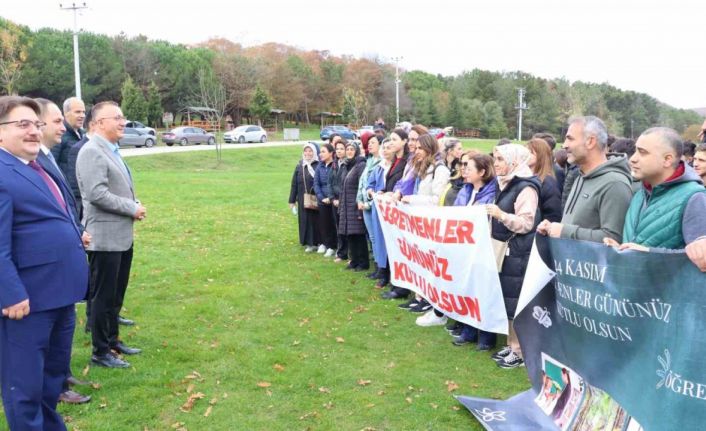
261,336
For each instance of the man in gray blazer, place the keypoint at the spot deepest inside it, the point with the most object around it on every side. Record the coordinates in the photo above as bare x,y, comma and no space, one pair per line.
109,210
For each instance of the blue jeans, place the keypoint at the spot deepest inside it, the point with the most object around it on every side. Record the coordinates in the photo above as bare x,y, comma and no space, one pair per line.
368,220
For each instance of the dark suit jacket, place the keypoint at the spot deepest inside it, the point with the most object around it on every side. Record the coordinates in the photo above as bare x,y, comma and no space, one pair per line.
41,255
71,168
61,151
49,166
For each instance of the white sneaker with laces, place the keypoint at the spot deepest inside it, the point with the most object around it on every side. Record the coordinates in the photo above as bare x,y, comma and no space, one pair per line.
430,319
322,249
309,249
511,361
330,252
501,354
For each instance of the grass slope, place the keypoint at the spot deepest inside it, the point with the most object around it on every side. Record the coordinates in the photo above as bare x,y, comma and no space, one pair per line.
229,306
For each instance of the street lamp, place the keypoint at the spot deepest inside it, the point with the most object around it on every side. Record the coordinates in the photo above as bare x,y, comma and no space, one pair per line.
77,70
397,87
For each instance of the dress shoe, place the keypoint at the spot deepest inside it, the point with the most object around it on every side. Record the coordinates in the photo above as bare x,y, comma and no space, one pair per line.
393,294
484,347
73,397
125,322
361,268
373,275
461,341
109,360
73,381
125,350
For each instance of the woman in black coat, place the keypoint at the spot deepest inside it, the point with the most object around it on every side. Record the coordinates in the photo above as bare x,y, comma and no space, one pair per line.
350,218
542,165
303,182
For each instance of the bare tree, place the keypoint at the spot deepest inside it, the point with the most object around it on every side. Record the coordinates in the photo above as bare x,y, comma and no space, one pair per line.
212,94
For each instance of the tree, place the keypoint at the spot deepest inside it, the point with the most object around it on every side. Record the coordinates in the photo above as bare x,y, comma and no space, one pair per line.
154,105
454,116
494,121
133,104
261,104
14,45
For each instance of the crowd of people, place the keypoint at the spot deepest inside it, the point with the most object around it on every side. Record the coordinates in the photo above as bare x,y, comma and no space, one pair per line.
67,208
642,195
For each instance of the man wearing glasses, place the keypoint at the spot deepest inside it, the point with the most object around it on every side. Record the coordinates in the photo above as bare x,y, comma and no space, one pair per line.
109,210
43,273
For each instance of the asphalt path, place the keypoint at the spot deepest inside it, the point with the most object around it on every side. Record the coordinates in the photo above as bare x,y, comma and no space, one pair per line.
135,152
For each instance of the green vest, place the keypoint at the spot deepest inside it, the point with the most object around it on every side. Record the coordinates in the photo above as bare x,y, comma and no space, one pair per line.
658,222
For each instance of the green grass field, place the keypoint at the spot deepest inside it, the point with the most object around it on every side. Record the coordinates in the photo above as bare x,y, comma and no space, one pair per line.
261,336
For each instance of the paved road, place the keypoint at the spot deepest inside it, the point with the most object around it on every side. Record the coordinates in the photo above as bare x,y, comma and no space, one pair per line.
134,152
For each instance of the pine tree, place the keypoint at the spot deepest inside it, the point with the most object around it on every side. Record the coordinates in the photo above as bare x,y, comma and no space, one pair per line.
133,104
261,104
154,105
454,116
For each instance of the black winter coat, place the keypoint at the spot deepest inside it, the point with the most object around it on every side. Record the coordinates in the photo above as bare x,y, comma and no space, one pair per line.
394,175
515,265
350,218
308,219
550,200
340,169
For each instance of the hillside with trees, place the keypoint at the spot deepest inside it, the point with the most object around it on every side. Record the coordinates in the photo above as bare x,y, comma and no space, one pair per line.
152,76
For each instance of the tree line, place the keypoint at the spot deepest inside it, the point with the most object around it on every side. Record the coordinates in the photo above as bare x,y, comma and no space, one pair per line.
152,76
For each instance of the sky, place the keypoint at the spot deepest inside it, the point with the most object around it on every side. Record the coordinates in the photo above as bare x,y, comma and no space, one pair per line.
651,46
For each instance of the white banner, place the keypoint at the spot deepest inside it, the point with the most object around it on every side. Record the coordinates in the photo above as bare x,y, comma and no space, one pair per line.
444,254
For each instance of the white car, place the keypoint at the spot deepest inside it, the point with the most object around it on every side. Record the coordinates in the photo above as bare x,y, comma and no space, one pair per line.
141,127
246,133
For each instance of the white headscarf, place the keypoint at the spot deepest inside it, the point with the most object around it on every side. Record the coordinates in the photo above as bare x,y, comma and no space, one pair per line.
516,156
307,163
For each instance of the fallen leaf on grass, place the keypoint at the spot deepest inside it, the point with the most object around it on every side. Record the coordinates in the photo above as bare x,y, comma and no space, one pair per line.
309,415
296,343
213,401
176,425
457,408
324,390
340,340
451,385
193,375
278,367
360,309
408,399
85,370
434,406
303,322
96,386
208,411
381,393
264,384
328,405
190,388
369,429
189,404
362,382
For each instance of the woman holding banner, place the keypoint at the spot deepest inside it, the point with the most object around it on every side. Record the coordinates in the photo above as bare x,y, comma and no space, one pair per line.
375,186
515,216
303,183
478,189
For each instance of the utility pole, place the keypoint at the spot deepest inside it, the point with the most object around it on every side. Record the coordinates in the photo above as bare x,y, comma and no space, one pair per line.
397,88
77,69
521,106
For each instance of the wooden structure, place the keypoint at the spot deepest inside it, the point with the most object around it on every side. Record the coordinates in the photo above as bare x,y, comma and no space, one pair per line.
466,133
198,116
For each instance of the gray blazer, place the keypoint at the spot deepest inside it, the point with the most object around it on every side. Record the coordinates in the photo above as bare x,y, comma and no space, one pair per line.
108,197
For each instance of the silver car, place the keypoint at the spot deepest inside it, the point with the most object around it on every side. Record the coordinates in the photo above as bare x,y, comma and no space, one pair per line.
141,127
136,138
188,135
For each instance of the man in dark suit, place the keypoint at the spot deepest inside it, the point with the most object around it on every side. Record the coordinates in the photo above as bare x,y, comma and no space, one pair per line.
43,271
109,210
51,136
74,113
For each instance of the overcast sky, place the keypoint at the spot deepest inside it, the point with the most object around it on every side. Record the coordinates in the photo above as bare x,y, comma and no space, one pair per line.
652,46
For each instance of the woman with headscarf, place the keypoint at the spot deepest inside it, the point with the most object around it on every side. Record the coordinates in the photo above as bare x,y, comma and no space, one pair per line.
324,194
478,189
350,218
303,183
375,186
515,216
372,148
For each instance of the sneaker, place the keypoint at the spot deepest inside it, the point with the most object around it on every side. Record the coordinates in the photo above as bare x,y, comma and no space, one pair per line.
409,304
330,252
431,319
511,361
421,307
456,332
322,249
452,325
501,354
309,249
338,259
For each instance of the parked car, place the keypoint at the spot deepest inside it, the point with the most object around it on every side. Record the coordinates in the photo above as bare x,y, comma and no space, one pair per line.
188,135
246,133
141,127
136,138
343,131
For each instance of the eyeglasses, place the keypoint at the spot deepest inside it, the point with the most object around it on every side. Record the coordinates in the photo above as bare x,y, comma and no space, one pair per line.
116,118
25,124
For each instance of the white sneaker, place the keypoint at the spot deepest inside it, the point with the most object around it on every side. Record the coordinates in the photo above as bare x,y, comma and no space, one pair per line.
330,252
309,249
511,361
322,249
430,319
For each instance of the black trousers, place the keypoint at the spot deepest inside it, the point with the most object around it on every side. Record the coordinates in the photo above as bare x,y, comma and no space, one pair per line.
327,226
110,272
358,251
341,240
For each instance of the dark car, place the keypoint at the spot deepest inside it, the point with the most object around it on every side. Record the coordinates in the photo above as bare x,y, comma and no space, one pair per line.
188,135
343,131
136,138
